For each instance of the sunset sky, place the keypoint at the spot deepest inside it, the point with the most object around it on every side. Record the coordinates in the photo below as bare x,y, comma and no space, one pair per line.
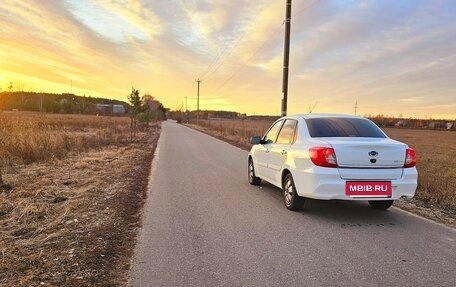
391,57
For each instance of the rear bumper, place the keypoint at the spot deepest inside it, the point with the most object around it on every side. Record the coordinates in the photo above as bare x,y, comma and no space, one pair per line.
326,184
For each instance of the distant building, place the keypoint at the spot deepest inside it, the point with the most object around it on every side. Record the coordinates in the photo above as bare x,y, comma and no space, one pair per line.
401,124
437,125
108,109
118,109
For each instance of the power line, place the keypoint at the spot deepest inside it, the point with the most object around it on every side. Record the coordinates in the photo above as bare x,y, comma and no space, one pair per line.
305,8
267,39
273,33
213,63
219,56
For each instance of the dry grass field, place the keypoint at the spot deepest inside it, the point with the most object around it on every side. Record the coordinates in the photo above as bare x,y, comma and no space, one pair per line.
77,188
33,137
436,164
435,148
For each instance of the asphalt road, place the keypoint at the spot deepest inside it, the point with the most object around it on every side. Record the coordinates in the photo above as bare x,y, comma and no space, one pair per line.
204,225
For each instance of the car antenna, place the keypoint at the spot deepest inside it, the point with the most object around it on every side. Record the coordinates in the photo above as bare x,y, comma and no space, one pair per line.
312,108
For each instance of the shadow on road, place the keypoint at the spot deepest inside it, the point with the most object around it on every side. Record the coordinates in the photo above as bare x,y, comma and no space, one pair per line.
343,212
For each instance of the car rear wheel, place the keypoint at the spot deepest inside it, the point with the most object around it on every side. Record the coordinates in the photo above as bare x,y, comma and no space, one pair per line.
291,199
381,204
253,179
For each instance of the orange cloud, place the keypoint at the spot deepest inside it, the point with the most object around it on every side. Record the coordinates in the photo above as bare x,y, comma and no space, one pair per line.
376,53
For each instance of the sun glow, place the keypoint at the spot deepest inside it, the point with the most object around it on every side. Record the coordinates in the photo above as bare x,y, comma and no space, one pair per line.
339,55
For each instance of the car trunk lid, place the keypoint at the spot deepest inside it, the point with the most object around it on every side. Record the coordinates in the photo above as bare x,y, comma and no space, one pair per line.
369,158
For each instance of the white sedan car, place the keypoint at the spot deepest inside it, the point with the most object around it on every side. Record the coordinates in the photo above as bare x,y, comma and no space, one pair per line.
332,157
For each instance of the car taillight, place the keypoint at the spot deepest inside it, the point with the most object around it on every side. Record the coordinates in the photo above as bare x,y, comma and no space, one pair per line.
323,156
410,158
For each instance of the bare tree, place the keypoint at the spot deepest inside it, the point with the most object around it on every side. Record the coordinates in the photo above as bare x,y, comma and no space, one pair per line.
147,113
135,109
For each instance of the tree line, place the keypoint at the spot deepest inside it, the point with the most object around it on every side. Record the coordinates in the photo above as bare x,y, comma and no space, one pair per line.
143,110
54,103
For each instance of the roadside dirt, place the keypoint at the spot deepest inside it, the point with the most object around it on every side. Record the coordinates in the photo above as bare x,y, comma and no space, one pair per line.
443,216
440,215
73,222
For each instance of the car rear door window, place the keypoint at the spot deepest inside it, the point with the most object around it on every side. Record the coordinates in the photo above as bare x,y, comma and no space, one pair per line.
271,135
343,127
287,132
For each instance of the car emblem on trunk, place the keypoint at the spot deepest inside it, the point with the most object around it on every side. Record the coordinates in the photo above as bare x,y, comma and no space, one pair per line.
373,153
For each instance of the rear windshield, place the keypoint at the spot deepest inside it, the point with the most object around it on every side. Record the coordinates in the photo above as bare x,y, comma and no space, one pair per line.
343,127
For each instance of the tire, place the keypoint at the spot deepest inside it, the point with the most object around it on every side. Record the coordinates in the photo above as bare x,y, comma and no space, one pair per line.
253,179
290,197
381,204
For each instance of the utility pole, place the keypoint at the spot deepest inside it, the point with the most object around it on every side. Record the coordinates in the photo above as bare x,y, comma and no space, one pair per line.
356,107
286,58
198,101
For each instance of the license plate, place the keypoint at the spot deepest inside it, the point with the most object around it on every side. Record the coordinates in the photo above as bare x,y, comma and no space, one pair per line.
368,188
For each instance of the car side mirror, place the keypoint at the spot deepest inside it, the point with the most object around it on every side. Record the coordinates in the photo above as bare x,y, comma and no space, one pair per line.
255,140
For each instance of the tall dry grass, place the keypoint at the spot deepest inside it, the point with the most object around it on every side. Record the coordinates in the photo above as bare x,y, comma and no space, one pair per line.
33,137
435,148
436,163
55,212
235,131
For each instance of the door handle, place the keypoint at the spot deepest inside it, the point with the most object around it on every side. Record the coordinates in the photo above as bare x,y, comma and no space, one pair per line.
284,152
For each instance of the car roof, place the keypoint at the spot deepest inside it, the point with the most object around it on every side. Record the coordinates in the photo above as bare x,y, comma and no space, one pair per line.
313,116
